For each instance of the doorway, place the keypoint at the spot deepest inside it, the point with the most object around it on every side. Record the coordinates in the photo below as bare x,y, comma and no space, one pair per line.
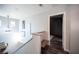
56,29
56,35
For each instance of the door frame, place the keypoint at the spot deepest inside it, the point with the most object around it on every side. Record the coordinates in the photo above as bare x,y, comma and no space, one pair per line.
63,29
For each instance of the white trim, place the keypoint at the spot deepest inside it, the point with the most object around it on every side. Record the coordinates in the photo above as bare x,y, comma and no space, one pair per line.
67,50
64,28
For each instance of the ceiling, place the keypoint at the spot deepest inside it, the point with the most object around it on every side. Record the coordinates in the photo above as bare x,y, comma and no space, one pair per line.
21,11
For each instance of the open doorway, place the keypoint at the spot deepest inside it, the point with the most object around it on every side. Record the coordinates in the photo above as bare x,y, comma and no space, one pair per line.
56,25
57,28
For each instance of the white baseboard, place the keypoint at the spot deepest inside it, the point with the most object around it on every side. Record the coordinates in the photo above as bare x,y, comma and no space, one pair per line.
66,50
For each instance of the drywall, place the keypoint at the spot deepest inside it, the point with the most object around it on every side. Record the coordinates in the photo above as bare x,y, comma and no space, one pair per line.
74,33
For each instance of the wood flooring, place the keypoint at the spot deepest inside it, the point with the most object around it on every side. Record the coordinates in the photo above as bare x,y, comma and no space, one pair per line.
54,48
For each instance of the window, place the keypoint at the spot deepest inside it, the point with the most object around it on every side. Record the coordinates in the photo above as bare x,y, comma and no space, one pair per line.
23,24
0,23
12,24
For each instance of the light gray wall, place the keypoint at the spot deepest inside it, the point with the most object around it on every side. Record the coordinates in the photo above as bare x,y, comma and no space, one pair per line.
74,33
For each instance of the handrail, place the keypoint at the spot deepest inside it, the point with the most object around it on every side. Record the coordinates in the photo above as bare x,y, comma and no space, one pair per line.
22,46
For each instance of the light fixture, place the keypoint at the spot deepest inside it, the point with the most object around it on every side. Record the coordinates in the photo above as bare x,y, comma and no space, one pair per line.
40,5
